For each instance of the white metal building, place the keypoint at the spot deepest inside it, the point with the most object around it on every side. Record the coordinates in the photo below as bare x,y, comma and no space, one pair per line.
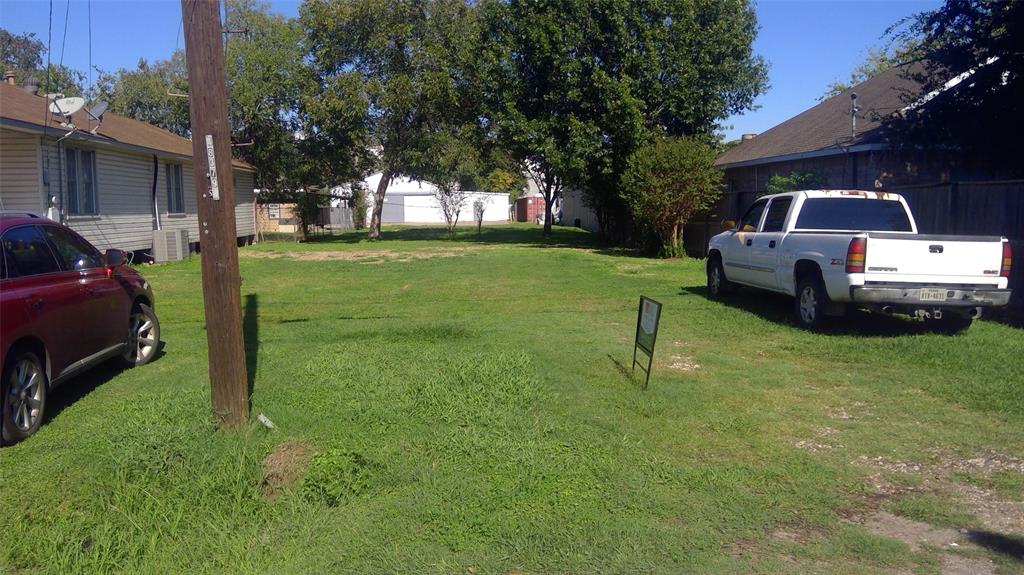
412,202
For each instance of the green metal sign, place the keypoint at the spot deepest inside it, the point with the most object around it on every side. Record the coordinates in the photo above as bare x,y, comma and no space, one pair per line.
647,318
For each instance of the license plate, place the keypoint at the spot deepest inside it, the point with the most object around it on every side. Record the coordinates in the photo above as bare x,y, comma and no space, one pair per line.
932,294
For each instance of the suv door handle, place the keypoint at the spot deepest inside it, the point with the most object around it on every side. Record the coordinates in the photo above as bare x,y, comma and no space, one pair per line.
749,241
771,244
35,302
89,290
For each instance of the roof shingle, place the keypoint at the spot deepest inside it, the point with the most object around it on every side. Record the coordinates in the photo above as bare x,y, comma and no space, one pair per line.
17,104
827,125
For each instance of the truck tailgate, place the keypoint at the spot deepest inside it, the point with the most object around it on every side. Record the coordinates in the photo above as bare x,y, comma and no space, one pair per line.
933,258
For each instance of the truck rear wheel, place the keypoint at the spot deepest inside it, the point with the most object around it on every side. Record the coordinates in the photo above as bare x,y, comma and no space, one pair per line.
811,303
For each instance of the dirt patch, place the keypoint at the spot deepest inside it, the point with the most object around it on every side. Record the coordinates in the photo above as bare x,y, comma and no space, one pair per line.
913,533
952,564
995,513
814,446
682,363
985,463
284,466
361,256
796,535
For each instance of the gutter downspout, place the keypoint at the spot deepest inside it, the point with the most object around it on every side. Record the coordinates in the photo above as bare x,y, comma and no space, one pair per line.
156,207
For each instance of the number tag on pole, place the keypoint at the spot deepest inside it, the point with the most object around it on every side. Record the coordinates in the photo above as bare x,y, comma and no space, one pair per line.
211,162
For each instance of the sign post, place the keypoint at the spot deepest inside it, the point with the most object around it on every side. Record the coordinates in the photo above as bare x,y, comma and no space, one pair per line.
647,318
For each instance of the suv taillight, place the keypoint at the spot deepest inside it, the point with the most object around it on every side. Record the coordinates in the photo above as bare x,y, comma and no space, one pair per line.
855,255
1007,260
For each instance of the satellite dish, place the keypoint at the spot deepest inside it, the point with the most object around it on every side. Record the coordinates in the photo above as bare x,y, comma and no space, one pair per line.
67,106
96,112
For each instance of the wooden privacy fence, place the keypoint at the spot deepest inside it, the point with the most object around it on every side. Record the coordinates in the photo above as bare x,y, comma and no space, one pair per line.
983,208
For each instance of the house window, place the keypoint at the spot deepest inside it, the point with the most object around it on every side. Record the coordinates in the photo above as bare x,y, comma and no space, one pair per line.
175,190
81,181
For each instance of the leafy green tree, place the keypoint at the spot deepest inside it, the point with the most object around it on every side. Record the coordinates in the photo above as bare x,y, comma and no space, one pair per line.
21,52
454,160
981,43
413,61
153,92
579,86
668,181
778,184
502,181
267,76
876,62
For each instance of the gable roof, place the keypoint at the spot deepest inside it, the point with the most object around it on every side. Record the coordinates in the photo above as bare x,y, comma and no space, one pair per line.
825,129
19,107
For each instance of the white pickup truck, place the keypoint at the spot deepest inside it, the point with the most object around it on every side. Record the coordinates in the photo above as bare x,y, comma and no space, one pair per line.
835,250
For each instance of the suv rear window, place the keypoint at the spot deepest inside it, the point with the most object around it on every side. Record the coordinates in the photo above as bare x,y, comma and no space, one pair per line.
853,214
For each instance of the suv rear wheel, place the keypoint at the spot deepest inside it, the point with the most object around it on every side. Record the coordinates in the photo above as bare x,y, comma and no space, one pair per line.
24,387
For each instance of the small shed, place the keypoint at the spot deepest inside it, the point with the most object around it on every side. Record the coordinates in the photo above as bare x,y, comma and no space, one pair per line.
530,209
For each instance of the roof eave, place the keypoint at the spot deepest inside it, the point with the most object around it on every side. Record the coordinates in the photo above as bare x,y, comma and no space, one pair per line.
803,155
83,136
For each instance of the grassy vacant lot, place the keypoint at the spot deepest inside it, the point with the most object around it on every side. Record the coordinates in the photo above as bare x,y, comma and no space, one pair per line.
466,407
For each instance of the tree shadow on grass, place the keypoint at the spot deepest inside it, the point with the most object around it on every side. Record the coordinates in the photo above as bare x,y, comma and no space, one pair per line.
778,308
1008,545
561,236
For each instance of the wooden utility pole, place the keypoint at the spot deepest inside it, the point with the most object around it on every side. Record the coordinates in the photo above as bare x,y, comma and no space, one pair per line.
215,196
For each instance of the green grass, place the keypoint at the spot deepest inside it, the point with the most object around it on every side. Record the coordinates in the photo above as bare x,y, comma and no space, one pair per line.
470,404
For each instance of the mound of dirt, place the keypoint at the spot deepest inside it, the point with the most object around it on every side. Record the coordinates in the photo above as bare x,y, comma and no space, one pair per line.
284,466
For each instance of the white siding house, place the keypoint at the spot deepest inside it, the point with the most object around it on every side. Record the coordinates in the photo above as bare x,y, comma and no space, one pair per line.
111,186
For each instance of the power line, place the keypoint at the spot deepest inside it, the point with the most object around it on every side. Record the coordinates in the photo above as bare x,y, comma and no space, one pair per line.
90,49
63,42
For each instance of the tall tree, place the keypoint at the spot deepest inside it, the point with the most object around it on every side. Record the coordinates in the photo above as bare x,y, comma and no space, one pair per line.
267,76
23,55
412,60
153,92
21,52
980,44
581,85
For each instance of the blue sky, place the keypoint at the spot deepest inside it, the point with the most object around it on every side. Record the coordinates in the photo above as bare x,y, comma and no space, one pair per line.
808,43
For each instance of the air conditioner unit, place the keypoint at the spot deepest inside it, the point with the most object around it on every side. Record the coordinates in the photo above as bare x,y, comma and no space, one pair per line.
170,245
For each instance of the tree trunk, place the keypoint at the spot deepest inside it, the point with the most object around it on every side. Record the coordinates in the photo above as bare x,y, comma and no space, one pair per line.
549,200
378,204
669,241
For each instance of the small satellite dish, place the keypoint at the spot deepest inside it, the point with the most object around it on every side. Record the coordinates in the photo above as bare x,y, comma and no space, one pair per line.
96,112
67,106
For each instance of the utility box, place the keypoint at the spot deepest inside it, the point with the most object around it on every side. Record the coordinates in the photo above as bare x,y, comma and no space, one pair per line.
170,245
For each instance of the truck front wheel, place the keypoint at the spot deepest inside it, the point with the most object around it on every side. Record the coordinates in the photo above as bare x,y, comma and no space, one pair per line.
718,285
811,303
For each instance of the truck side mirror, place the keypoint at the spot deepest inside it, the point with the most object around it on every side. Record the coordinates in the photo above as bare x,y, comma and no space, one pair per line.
728,225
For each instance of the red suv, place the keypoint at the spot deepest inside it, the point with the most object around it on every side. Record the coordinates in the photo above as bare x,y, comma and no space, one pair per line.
64,307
